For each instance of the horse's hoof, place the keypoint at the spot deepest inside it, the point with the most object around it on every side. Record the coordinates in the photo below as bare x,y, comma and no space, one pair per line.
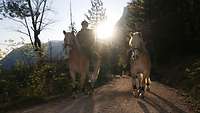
148,89
87,92
74,96
140,93
136,94
141,96
90,93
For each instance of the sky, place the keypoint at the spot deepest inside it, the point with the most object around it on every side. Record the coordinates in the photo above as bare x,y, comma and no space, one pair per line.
61,16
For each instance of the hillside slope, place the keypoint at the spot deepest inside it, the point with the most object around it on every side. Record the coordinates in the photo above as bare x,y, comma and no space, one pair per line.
26,54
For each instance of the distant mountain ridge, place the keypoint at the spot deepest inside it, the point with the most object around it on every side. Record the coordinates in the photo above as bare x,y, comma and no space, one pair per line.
26,55
22,55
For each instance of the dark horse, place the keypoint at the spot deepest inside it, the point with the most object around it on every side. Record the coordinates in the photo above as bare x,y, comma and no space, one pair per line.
79,62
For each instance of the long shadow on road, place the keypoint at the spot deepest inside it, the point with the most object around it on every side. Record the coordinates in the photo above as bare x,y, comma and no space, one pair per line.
171,105
154,104
80,105
143,106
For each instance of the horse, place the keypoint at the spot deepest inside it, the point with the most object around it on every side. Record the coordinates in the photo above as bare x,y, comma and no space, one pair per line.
79,63
140,65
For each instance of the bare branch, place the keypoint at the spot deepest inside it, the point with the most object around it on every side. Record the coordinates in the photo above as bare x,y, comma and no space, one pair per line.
41,3
37,9
46,24
35,2
32,15
22,32
29,33
45,1
50,10
13,19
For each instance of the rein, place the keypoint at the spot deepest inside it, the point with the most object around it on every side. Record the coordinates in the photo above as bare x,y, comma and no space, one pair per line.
135,53
70,40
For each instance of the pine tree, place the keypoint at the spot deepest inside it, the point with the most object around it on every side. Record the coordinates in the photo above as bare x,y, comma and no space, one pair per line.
96,14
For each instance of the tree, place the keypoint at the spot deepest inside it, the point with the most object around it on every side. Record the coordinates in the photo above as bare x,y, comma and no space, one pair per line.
96,14
175,26
31,14
136,15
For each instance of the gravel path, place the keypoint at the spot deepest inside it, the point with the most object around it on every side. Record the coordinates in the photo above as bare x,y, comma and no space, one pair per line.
115,97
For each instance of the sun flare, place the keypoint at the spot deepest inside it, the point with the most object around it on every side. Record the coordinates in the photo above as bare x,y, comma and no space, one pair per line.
104,31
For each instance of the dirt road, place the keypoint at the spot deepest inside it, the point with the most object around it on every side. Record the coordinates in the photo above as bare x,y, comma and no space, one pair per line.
115,97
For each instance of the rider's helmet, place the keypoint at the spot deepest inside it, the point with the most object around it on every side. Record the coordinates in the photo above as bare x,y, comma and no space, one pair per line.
84,23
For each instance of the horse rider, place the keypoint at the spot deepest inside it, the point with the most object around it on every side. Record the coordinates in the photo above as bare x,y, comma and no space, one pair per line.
86,38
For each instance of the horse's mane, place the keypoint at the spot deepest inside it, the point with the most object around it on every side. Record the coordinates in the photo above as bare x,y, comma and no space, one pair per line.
137,42
73,41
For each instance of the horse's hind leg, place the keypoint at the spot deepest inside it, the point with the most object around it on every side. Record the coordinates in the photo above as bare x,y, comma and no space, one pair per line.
73,77
135,81
82,81
141,84
148,82
135,84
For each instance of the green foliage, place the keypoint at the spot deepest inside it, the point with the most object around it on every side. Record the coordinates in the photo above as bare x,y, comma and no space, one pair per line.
132,20
170,27
191,78
174,27
190,82
136,13
22,84
17,8
12,82
46,80
96,14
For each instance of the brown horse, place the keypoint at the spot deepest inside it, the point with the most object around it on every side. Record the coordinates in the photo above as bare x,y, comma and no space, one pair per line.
140,64
79,62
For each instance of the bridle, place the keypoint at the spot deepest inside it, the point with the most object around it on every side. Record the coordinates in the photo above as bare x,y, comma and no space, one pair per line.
70,40
135,54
